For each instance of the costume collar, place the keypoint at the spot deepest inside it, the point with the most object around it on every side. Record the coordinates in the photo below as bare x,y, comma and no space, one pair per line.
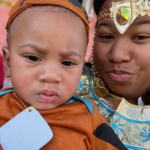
73,99
86,102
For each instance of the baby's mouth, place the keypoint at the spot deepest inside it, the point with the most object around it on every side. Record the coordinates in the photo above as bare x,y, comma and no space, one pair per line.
47,96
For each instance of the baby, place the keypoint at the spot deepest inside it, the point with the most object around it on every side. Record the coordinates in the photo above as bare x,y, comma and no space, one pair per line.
47,42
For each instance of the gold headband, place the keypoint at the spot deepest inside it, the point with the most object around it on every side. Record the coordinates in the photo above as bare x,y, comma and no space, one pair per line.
123,13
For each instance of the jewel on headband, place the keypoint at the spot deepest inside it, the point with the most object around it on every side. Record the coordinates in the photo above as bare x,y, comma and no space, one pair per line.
123,13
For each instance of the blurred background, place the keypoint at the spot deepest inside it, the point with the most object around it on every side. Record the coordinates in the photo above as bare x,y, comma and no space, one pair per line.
5,6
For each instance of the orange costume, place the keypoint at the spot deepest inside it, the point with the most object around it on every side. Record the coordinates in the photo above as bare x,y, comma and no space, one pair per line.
73,125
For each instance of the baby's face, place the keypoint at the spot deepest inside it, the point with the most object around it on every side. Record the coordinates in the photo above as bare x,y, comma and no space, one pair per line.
45,57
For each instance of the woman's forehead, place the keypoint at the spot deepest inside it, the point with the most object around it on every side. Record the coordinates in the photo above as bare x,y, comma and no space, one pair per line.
140,18
124,13
140,25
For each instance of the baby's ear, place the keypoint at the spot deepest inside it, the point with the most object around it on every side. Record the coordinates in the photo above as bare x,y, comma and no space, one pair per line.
6,57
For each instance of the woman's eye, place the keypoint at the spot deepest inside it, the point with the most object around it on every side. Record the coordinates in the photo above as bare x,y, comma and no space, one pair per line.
32,58
68,63
106,37
141,37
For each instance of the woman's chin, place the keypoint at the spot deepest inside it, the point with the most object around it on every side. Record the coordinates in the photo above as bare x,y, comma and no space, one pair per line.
122,91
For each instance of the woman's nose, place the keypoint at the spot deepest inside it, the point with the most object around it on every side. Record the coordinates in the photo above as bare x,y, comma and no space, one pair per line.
50,73
120,51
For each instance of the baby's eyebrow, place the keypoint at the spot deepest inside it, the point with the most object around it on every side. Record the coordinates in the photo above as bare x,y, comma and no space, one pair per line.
70,53
40,50
35,47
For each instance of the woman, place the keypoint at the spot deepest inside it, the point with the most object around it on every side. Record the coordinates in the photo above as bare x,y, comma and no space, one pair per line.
119,81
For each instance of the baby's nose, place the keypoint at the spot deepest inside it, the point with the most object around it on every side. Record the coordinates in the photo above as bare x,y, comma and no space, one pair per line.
50,74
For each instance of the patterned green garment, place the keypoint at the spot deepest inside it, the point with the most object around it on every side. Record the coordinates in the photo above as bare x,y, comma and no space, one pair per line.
130,122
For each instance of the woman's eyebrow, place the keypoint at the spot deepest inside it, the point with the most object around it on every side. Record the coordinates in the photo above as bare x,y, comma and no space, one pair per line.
103,24
141,22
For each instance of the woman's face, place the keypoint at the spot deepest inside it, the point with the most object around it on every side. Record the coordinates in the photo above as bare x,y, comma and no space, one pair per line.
123,61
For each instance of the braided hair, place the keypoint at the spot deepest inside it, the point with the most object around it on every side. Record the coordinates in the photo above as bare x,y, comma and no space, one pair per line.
97,6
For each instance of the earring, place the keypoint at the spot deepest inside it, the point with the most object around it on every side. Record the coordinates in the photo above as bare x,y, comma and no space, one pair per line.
96,76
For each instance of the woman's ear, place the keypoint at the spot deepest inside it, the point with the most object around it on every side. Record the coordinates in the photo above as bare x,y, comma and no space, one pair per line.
6,57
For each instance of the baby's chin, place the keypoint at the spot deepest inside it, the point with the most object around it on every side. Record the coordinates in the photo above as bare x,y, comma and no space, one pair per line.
43,106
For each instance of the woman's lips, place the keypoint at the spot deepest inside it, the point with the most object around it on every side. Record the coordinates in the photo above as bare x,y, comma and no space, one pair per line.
119,77
47,96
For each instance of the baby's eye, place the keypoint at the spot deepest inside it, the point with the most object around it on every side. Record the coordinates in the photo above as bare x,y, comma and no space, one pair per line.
68,63
32,58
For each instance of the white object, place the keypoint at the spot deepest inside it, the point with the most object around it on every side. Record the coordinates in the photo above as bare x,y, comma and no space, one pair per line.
140,102
88,5
26,131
